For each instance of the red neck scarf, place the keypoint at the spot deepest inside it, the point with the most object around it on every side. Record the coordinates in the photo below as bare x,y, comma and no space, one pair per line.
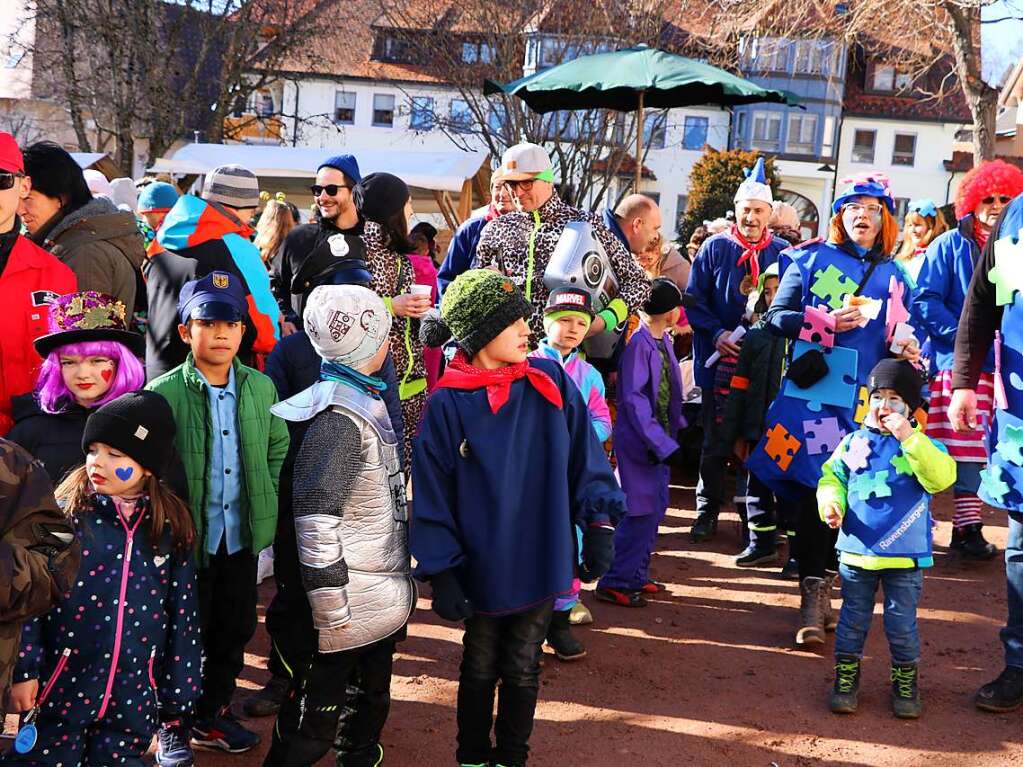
980,236
750,251
461,374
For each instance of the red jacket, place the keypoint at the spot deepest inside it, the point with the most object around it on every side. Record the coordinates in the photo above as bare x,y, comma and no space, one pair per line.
32,276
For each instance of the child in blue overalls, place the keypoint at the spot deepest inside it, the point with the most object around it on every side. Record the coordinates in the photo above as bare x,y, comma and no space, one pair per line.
119,655
877,487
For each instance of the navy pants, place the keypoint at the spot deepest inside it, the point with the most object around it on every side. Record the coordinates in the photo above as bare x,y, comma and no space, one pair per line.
1012,634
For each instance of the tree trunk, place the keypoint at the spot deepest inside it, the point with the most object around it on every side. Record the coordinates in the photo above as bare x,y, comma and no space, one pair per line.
984,109
981,97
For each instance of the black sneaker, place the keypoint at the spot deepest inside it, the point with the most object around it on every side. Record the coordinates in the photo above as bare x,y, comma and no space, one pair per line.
757,557
224,733
704,528
971,543
905,691
1003,694
173,748
559,636
845,694
790,571
267,702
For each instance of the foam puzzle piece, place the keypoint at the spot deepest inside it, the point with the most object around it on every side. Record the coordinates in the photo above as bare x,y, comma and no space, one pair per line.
818,327
901,465
822,435
867,485
781,446
1011,444
1007,273
857,452
830,285
862,405
896,311
837,388
1015,381
992,482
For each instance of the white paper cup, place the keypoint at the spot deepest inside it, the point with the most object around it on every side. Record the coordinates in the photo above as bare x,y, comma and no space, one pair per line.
422,290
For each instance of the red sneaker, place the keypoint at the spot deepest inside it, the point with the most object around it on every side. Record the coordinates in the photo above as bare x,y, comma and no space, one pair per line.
653,587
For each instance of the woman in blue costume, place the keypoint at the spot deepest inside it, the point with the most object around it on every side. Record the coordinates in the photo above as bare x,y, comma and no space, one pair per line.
805,423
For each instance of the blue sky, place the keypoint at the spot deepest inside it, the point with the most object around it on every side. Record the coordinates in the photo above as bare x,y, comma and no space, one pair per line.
1001,38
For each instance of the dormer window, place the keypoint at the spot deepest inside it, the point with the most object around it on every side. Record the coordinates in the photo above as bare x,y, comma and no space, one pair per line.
393,48
886,78
477,53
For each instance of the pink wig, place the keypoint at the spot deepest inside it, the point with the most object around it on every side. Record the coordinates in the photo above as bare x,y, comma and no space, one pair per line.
53,394
986,180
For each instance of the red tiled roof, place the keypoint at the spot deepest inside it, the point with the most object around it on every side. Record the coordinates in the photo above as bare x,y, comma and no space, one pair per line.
627,167
963,161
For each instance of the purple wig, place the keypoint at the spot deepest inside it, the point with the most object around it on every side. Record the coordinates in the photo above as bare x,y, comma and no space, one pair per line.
53,394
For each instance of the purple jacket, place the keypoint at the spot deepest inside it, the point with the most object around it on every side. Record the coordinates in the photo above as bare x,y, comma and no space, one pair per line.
639,373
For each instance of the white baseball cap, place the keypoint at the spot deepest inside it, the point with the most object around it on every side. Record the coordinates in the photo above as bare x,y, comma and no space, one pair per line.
526,161
346,324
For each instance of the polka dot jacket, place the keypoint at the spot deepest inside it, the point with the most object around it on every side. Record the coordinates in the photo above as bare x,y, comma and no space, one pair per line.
128,628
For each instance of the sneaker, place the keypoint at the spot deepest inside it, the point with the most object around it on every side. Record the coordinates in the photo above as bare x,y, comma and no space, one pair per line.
580,614
224,733
905,691
970,542
755,557
621,597
173,749
559,637
845,695
704,528
790,571
653,587
267,702
1003,694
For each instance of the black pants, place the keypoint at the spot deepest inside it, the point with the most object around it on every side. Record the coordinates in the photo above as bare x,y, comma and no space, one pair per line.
815,541
505,648
320,698
227,617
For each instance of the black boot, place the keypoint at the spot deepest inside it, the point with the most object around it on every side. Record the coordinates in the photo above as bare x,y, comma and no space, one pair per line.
970,541
762,548
905,691
559,636
705,527
845,695
266,702
1003,694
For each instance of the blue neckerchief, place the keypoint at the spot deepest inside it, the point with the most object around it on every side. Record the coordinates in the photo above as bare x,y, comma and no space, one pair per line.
335,371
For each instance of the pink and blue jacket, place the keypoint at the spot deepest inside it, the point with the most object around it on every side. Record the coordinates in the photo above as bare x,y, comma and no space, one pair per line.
589,382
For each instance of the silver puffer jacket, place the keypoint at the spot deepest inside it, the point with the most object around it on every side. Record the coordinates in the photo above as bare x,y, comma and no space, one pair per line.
351,516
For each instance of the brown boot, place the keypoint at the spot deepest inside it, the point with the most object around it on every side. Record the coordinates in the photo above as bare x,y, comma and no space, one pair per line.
811,629
829,616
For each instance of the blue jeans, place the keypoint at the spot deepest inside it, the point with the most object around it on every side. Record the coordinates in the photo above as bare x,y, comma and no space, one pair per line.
901,594
967,477
1012,634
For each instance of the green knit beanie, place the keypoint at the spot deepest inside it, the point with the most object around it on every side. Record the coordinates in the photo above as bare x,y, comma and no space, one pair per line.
476,308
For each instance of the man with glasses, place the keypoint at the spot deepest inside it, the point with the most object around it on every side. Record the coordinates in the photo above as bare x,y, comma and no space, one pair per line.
29,276
943,281
337,194
521,244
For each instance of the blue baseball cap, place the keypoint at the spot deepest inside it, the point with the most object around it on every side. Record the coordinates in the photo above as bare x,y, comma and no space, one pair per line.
346,163
156,197
217,296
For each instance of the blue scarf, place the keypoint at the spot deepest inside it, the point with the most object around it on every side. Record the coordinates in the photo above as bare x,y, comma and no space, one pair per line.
335,371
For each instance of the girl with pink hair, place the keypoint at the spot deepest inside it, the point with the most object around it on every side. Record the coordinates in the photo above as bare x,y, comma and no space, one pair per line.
89,358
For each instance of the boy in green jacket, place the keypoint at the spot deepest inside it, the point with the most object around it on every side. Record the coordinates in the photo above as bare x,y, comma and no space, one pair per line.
232,449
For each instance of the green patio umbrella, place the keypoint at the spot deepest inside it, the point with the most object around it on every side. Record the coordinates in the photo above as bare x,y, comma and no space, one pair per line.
633,79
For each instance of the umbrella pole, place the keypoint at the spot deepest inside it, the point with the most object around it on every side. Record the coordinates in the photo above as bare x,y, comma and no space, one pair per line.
639,142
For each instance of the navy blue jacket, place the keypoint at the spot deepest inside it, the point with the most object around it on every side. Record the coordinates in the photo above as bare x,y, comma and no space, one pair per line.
132,635
944,277
612,223
461,251
498,494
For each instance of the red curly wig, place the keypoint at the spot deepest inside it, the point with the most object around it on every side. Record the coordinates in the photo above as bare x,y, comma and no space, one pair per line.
987,179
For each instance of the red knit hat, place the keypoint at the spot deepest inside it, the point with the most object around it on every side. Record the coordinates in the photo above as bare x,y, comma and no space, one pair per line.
11,160
985,180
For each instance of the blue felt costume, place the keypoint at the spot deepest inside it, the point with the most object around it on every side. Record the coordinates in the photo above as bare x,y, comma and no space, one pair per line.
789,457
461,251
498,494
133,640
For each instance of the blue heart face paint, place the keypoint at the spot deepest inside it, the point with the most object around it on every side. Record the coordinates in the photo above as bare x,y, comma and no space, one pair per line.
124,473
112,472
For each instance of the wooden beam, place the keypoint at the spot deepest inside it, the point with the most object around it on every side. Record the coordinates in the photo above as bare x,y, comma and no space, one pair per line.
448,217
465,201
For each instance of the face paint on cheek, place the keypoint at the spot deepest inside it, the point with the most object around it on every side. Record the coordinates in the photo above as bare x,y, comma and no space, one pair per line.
106,374
124,473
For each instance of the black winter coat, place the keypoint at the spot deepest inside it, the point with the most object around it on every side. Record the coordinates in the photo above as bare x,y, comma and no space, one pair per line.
53,438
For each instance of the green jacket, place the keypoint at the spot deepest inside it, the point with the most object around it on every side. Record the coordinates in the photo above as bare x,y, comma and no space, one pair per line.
755,384
263,444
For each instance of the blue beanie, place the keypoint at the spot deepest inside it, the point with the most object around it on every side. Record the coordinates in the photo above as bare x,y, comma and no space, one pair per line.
345,163
157,196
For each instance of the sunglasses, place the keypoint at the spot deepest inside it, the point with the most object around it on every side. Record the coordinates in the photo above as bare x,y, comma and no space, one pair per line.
1002,198
330,189
524,185
7,179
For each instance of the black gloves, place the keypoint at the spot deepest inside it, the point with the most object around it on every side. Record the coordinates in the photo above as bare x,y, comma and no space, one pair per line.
598,552
449,600
675,458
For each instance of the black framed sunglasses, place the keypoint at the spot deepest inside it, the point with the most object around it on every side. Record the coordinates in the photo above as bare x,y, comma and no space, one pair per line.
7,179
1002,198
330,189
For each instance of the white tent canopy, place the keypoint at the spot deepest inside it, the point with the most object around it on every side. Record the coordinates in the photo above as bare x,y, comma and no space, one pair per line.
439,171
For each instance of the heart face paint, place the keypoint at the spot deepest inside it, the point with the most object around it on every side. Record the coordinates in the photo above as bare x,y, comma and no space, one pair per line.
87,378
111,472
124,473
107,374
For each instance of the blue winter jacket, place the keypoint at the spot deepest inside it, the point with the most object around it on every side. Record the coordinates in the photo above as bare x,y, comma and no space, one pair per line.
131,635
612,223
461,251
943,280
